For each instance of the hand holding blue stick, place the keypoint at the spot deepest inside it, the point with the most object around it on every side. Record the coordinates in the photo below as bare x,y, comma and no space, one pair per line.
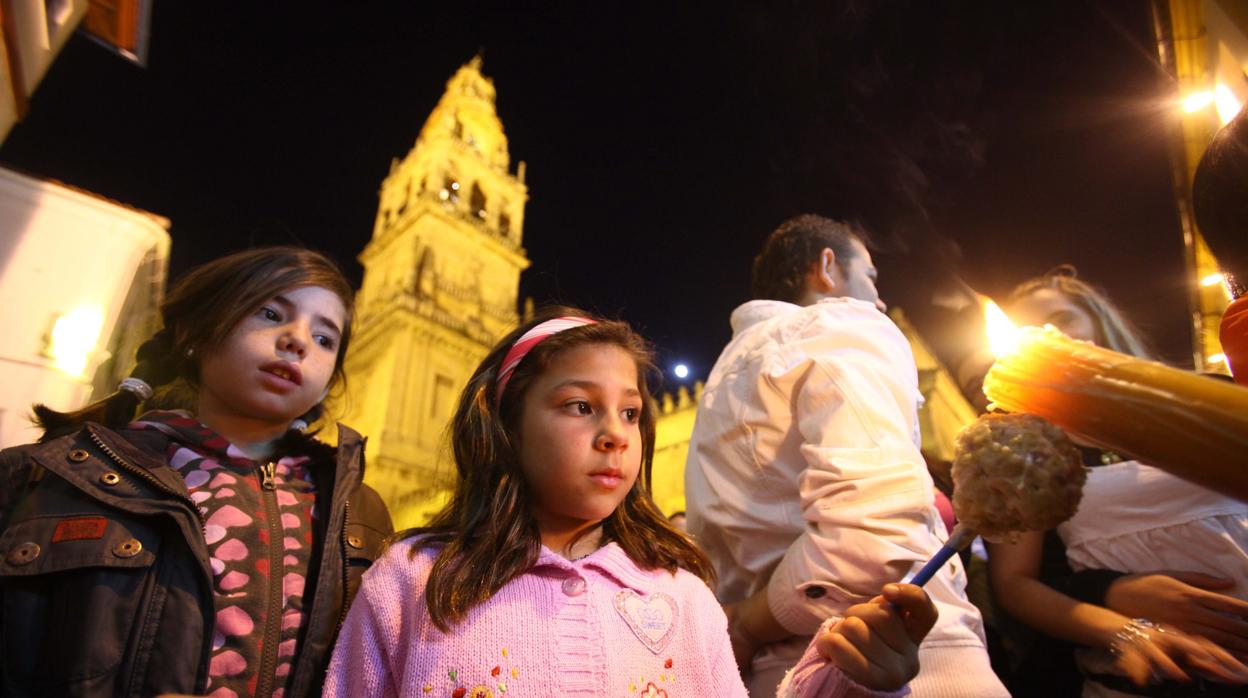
960,538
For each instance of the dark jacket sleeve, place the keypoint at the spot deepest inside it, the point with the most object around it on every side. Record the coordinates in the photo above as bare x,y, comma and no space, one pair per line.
17,472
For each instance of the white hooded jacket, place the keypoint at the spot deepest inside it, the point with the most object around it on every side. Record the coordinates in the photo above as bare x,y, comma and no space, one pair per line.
804,472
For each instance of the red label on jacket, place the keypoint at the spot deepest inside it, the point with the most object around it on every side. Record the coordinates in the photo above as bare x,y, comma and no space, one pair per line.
89,528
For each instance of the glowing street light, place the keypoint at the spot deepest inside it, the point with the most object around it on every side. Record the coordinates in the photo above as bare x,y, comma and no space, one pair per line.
1228,105
73,338
681,371
1197,101
1221,97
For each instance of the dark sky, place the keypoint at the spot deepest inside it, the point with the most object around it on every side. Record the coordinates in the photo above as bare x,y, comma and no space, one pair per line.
663,142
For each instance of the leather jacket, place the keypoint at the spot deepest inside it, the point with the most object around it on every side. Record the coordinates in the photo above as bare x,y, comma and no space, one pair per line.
105,584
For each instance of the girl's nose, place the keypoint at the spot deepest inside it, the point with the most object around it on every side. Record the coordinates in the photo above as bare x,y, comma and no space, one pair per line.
612,436
292,343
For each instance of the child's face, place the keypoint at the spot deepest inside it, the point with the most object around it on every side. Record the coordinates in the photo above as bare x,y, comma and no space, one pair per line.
1049,306
580,440
277,362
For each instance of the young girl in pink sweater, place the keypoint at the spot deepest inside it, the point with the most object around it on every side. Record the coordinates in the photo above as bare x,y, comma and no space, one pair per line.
551,572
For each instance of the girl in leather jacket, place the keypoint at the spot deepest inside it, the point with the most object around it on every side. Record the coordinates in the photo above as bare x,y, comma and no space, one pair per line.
211,550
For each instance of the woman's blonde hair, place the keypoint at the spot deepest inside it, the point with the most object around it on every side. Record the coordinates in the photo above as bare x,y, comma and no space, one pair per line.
1113,329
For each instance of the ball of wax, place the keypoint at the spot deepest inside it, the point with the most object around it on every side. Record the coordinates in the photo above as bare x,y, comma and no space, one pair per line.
1013,473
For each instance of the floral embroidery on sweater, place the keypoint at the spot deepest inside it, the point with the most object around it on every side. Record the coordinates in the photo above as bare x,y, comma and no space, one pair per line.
649,689
481,690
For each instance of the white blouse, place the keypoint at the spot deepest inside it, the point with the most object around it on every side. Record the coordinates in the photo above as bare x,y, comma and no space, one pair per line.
1137,518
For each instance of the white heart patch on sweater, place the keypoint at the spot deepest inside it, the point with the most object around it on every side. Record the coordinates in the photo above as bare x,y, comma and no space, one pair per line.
652,619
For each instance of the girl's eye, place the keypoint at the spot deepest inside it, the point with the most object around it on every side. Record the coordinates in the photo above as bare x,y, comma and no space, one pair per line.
631,415
580,407
270,314
326,341
1061,320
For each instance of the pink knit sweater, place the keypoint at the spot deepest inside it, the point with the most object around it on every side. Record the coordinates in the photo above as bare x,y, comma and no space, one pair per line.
597,626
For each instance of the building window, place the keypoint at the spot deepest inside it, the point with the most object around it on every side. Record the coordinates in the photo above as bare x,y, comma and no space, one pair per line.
450,192
504,224
477,202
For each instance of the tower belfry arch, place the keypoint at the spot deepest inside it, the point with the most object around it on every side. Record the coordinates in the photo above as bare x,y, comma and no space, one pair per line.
441,277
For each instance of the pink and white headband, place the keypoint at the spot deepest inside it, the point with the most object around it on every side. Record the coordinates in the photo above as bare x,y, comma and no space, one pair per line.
525,344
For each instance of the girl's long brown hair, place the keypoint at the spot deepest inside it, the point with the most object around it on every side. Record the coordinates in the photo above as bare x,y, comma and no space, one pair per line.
487,532
199,312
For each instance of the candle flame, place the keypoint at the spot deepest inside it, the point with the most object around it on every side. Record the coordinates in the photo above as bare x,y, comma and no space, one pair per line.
1002,334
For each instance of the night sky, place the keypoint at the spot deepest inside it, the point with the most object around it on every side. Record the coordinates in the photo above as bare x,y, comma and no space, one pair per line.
986,139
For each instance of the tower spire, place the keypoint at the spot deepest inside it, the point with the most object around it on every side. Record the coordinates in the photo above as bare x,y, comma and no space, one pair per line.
441,276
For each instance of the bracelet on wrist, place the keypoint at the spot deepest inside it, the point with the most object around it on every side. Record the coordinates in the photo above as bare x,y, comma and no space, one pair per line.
1132,632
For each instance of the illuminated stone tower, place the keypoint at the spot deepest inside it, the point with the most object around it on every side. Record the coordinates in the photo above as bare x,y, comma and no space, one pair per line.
441,275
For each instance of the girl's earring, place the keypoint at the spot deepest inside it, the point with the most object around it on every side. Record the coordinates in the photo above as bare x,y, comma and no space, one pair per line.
299,425
190,352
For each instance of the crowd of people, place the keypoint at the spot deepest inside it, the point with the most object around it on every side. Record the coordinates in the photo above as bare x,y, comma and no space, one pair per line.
188,534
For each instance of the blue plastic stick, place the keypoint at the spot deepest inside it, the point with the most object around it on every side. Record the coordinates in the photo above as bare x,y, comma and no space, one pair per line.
960,537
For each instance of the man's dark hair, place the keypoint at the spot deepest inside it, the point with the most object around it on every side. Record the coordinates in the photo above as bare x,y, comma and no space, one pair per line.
781,266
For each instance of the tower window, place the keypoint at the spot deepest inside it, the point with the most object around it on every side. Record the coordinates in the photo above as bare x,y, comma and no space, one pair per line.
477,202
504,224
450,192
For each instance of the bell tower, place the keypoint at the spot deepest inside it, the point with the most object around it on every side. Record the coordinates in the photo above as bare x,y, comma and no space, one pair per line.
441,276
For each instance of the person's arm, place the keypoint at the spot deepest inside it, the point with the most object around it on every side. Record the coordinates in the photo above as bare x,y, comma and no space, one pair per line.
752,625
361,663
865,493
1013,572
1014,569
16,471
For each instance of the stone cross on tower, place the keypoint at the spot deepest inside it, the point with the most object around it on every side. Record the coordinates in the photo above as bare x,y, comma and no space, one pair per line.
441,276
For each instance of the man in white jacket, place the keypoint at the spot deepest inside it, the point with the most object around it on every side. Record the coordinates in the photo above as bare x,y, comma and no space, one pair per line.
805,483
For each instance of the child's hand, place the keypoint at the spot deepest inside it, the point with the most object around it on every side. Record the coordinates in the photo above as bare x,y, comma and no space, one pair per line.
877,643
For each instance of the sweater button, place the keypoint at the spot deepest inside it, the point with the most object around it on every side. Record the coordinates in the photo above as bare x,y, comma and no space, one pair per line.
573,586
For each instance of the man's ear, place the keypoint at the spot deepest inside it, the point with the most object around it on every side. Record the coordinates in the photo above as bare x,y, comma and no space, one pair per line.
825,272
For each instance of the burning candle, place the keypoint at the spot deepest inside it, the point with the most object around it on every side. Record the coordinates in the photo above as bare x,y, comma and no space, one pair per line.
1193,426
